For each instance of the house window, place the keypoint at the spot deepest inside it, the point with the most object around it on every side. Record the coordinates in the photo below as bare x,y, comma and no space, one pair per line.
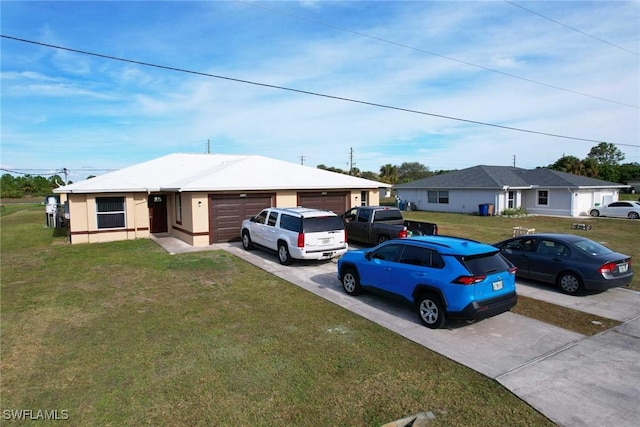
364,198
511,201
543,197
110,212
178,208
438,197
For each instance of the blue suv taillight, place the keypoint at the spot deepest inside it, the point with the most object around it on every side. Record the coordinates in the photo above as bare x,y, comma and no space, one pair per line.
469,280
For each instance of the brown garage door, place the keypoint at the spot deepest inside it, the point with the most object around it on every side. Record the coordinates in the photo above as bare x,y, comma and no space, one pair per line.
226,212
325,200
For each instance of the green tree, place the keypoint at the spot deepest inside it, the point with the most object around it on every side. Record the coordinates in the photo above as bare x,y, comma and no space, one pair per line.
608,158
590,167
389,173
412,171
9,187
332,169
606,154
570,164
370,175
629,171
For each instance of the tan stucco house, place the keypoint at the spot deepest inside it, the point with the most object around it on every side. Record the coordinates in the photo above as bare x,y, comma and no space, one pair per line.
202,198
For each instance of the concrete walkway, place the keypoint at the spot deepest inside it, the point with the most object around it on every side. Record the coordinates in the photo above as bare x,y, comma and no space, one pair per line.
572,379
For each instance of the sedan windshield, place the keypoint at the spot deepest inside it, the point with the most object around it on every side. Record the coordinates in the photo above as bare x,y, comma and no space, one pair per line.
592,248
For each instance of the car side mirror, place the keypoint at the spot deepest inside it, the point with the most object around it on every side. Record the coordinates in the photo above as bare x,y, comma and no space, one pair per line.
252,219
367,255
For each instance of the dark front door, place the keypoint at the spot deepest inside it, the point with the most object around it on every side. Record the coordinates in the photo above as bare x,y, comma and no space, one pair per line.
158,213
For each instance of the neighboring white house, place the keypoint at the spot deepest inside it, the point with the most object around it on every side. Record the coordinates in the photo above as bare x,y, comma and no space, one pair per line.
538,191
202,198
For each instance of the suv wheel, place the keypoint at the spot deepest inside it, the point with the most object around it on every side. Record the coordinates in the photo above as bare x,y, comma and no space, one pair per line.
351,282
431,311
247,244
283,254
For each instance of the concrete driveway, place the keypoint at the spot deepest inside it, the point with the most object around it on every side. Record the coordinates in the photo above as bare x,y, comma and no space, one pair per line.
573,379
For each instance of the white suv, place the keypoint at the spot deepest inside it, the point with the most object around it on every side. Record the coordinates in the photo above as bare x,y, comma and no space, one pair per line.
296,233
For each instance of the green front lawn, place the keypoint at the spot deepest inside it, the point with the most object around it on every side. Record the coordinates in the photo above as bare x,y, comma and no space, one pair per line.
124,334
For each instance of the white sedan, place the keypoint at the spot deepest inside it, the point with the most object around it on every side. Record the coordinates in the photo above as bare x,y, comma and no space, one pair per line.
620,209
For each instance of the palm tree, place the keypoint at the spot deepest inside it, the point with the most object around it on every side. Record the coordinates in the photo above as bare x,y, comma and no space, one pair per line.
389,173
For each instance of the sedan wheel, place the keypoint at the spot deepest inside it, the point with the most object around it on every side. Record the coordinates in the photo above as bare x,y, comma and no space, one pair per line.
431,311
351,282
594,212
633,215
569,283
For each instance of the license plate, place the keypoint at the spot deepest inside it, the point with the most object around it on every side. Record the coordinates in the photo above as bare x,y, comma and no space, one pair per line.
324,241
623,268
497,285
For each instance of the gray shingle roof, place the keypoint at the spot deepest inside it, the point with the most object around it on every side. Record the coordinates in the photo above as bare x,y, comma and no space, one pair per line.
497,177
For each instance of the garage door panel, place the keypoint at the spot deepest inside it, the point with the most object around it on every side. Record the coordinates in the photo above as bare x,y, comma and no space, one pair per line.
330,201
227,211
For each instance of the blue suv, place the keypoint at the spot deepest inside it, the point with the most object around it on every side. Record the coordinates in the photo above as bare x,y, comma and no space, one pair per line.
445,277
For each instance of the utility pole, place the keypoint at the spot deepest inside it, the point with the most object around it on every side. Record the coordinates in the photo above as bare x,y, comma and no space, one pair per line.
302,159
65,171
514,160
351,164
208,146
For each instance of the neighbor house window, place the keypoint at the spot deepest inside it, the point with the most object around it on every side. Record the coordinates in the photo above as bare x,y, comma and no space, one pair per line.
178,208
110,211
511,202
438,197
543,197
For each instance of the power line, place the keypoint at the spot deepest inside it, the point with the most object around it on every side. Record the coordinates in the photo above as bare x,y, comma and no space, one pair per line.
572,28
346,30
339,98
26,171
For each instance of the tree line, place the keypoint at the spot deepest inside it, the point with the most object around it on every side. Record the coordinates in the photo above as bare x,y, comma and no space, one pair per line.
15,187
602,162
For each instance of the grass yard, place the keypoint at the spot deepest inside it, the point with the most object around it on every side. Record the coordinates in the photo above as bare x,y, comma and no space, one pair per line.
124,334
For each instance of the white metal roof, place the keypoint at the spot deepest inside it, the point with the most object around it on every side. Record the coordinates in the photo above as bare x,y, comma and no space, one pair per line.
217,172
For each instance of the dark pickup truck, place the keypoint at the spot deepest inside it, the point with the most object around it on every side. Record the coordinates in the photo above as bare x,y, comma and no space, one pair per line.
375,224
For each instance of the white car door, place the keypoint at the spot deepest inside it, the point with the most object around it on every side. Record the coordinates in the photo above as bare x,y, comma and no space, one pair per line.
257,227
270,232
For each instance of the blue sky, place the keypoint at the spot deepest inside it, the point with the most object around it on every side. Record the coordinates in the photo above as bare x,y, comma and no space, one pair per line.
567,68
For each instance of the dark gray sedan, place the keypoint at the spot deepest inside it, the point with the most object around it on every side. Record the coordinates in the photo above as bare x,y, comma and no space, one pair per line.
572,262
